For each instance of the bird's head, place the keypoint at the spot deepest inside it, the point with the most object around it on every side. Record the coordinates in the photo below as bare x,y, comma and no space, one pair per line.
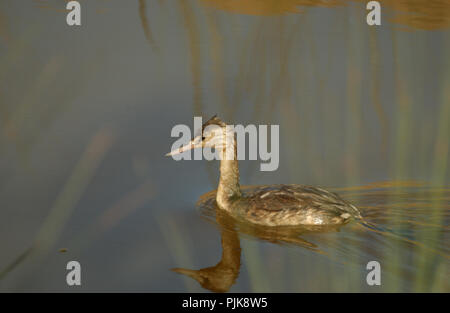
212,135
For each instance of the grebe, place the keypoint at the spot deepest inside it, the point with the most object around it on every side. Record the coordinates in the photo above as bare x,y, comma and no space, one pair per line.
275,205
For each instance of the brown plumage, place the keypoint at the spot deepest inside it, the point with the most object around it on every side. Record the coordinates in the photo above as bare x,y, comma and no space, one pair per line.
293,205
275,205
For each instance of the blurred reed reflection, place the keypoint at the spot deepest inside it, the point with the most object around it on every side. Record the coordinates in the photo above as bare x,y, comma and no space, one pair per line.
267,7
278,68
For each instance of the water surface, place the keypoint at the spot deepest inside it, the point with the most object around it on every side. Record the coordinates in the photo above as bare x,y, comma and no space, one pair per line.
85,121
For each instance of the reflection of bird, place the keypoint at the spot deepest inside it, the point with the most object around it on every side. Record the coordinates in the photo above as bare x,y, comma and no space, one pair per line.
276,205
221,277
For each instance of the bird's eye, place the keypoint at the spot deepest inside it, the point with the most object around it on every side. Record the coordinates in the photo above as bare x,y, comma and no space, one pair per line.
203,137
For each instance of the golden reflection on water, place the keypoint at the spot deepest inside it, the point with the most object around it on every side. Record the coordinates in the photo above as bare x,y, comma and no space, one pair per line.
4,32
267,7
419,14
146,24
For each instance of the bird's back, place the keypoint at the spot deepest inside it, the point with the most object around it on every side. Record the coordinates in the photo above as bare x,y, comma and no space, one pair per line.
280,205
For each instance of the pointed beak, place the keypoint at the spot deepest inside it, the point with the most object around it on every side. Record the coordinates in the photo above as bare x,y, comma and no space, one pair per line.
187,147
195,274
193,144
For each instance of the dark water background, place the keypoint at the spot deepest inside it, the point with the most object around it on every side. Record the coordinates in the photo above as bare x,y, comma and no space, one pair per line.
86,114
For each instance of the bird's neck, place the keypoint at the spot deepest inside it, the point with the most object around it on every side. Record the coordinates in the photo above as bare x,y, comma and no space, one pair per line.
229,175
